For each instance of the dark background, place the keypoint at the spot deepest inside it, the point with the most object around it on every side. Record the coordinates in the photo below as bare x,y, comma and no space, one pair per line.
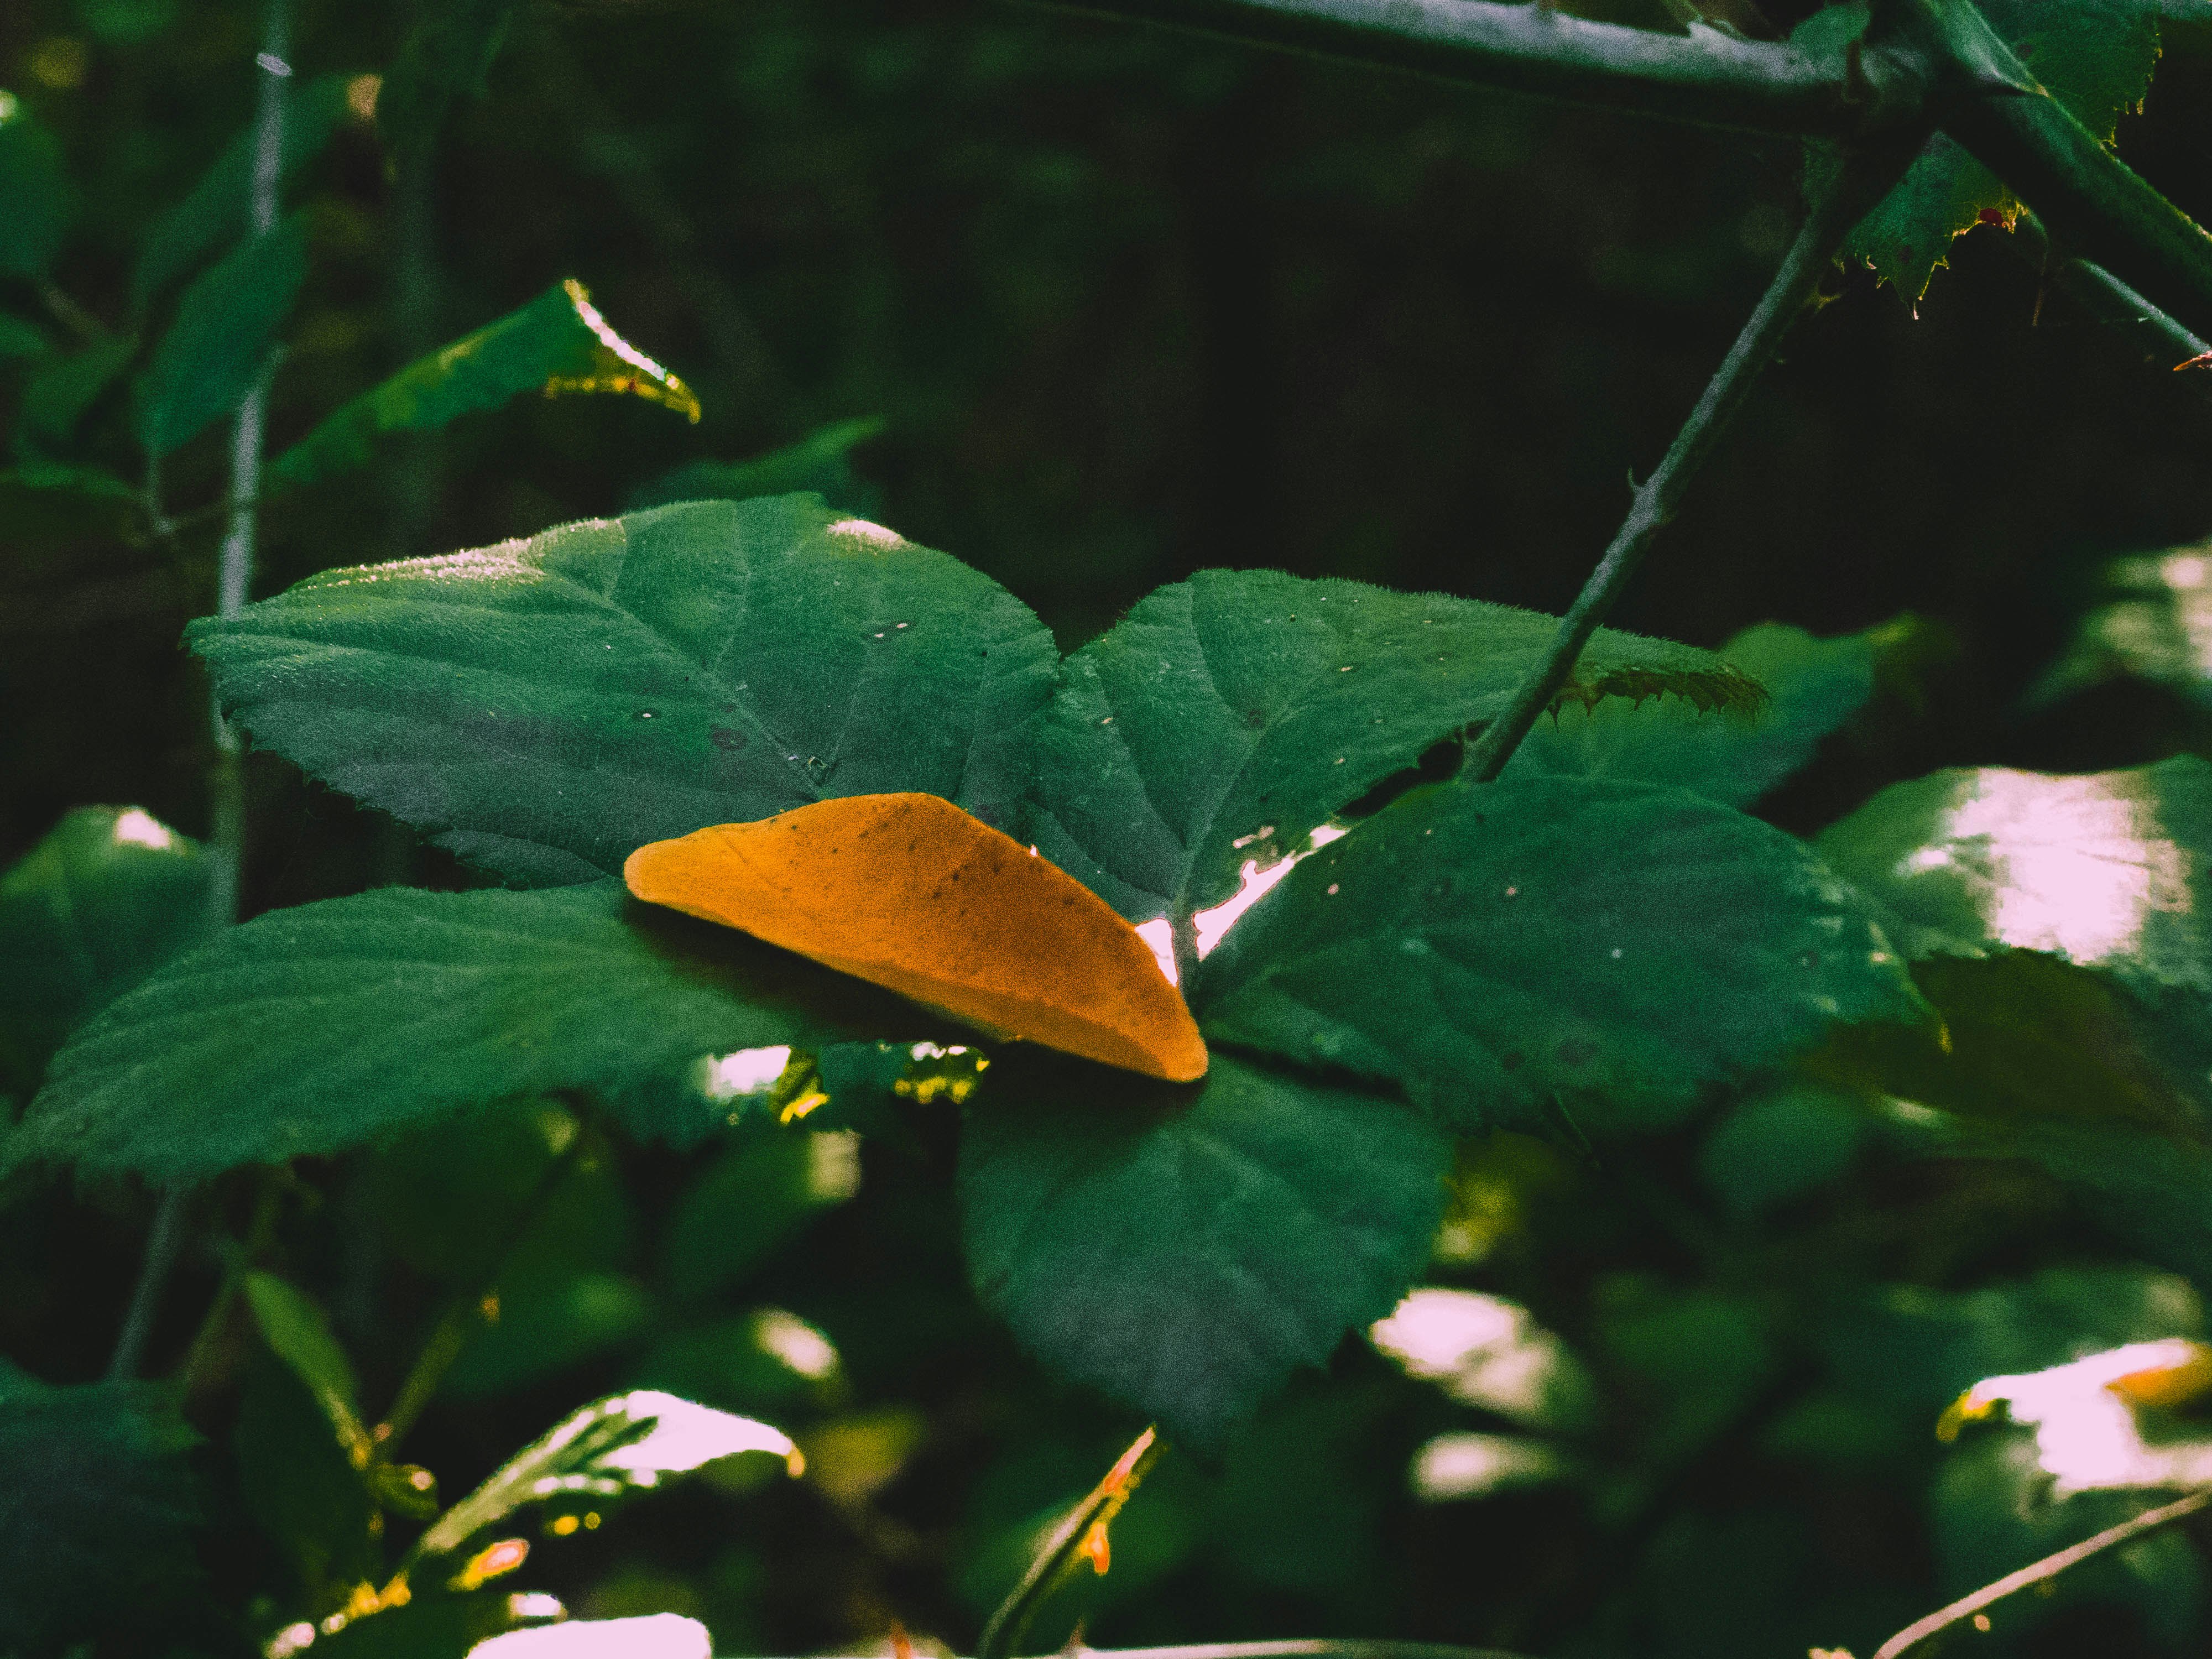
1132,305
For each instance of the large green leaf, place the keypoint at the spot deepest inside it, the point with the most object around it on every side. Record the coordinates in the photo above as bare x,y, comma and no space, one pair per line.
1492,947
543,707
1227,717
1814,687
218,345
2095,56
2110,870
1185,1249
219,210
34,193
108,896
95,1531
557,343
322,1027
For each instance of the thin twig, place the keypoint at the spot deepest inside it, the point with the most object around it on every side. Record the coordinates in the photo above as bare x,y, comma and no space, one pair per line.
2037,1572
1081,1537
227,780
1831,217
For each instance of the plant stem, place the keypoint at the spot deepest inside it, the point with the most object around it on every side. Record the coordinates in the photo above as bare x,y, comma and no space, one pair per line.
2037,1572
2109,299
1988,101
227,780
1079,1538
1706,77
1831,216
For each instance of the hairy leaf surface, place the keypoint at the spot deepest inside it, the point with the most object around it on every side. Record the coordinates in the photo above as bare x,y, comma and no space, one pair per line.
1488,947
328,1026
1185,1249
544,708
1226,716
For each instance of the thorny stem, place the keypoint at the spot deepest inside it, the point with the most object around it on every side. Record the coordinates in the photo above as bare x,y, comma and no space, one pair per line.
1832,214
2111,300
1080,1538
1705,77
2040,1571
227,779
459,1320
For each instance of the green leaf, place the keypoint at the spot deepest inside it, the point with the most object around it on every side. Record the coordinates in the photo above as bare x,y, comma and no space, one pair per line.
544,708
218,213
821,462
1814,687
623,1443
1781,1145
557,343
322,1027
1227,717
34,194
108,896
298,1334
1185,1249
218,345
53,508
2153,627
297,1482
57,398
2112,869
21,339
752,1202
101,1504
1491,947
2095,56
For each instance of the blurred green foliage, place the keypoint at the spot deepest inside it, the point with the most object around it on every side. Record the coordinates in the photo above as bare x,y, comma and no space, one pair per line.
1094,307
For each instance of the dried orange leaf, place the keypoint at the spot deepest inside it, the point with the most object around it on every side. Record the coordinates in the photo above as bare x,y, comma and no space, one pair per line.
910,892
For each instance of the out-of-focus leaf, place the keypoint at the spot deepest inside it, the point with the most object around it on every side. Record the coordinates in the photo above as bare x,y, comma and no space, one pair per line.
623,1443
447,55
1185,1249
2156,626
2111,871
1225,718
35,202
749,1203
1490,1353
47,508
2095,56
325,1027
557,345
544,708
128,22
765,1360
107,898
1814,687
449,1197
431,1625
1491,947
21,339
218,345
218,212
822,462
298,1334
298,1483
56,399
96,1531
547,1320
1779,1145
1695,1359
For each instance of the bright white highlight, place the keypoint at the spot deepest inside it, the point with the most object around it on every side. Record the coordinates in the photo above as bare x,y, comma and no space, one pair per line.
796,1343
1256,883
873,536
139,828
661,1636
726,1077
607,336
833,1165
2086,1434
1160,937
1486,1351
1459,1466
